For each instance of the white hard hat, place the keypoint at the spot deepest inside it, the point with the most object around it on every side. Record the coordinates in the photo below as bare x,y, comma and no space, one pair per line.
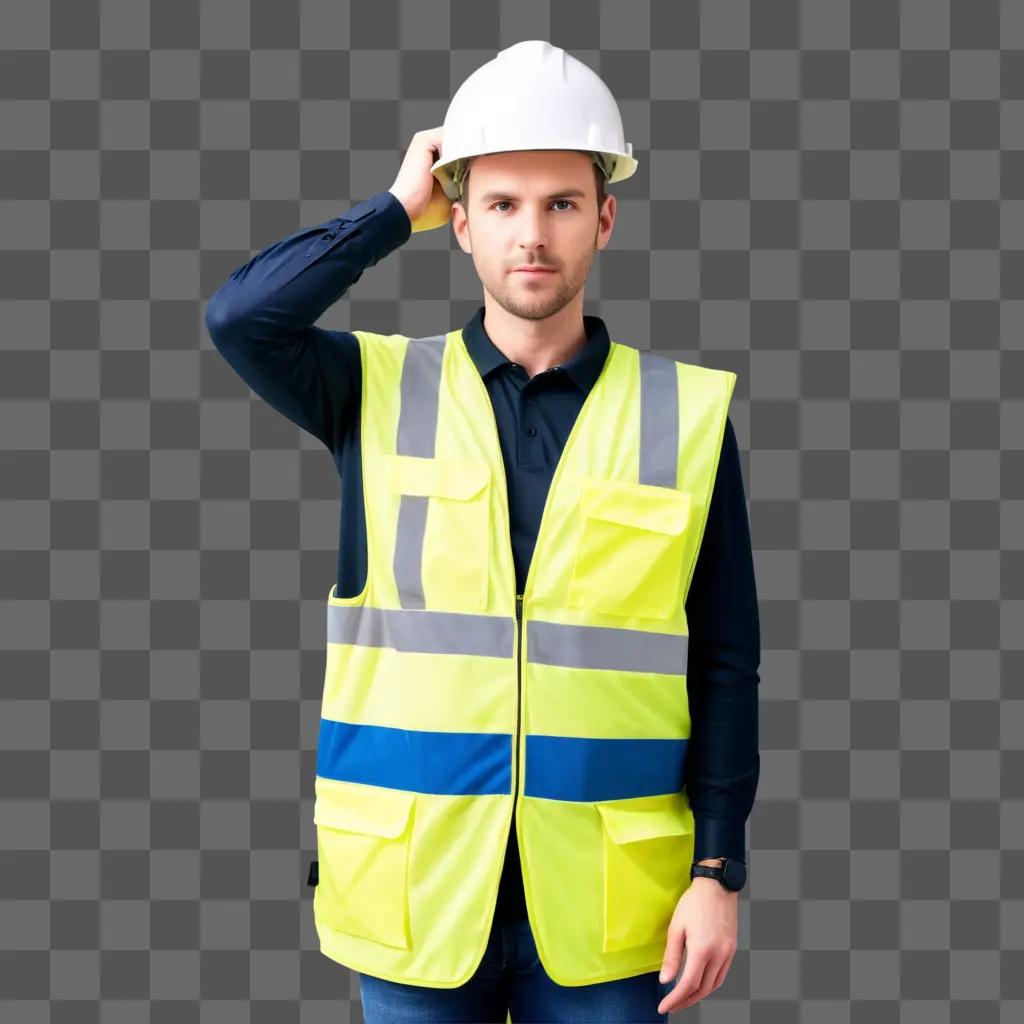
532,96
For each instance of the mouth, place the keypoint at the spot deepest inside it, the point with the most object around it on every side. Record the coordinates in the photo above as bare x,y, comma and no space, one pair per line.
533,270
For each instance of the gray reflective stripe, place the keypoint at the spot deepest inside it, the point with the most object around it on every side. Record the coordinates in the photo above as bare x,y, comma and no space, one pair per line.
607,647
420,387
417,432
659,420
493,636
421,631
408,560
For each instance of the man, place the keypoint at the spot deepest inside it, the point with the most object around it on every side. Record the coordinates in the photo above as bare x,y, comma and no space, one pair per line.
545,601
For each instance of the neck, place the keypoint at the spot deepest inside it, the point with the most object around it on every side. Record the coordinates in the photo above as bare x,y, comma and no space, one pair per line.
536,345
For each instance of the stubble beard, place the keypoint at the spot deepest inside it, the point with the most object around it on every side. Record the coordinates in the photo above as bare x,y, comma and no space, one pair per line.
545,303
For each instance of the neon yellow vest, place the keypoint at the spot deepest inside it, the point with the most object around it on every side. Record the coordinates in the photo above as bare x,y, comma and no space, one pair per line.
454,708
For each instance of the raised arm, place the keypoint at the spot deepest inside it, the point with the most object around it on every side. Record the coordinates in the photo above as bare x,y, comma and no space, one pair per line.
261,319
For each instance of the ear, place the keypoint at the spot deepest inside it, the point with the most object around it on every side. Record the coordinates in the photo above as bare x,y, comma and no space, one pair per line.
606,221
460,226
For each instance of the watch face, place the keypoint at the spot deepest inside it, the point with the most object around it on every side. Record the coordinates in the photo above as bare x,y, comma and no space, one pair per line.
735,874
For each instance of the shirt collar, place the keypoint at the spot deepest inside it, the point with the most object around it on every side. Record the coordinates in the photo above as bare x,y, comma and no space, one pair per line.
582,368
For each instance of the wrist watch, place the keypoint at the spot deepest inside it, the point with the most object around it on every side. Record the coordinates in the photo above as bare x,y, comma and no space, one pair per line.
731,873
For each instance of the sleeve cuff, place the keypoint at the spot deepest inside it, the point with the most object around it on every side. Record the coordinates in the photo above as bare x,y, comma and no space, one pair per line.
719,837
391,224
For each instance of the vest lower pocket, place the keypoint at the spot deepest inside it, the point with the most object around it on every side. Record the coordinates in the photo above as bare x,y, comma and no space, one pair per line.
443,535
363,841
648,848
631,547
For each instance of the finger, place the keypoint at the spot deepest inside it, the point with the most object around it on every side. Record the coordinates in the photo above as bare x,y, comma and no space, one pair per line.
673,955
691,980
708,983
724,969
714,977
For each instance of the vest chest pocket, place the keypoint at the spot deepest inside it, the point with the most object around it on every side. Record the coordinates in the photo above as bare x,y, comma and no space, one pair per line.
648,847
443,542
629,556
363,841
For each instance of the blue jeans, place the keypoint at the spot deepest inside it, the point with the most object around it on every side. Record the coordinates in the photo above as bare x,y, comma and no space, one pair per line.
511,979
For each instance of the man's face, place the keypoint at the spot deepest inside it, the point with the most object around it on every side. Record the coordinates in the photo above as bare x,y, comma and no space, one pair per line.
532,208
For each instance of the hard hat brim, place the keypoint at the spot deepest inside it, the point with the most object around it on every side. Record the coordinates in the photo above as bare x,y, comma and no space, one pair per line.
616,166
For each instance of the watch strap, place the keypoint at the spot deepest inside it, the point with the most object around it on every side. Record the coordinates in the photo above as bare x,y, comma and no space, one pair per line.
707,871
718,871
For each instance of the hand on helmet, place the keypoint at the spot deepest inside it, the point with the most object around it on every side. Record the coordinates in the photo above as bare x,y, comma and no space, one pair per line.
416,188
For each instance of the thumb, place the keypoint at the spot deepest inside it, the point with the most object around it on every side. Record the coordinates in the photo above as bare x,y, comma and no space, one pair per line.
673,955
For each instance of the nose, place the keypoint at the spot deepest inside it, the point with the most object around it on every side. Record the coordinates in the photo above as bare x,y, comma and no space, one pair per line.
531,230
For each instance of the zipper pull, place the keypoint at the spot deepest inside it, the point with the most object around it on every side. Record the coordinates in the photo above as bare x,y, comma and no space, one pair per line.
519,606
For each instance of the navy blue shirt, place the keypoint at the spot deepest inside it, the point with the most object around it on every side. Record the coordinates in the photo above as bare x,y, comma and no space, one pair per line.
262,321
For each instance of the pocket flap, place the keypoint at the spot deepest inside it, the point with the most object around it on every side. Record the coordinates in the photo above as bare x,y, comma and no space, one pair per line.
662,509
445,478
627,824
373,810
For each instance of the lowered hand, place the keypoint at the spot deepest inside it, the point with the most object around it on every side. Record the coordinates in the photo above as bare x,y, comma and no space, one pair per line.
705,923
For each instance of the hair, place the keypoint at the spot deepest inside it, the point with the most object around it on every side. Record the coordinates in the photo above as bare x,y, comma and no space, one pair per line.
599,179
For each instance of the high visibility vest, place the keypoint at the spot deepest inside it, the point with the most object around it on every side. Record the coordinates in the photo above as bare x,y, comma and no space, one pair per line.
455,709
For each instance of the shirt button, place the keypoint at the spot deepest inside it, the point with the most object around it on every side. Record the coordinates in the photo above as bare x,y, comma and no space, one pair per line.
531,431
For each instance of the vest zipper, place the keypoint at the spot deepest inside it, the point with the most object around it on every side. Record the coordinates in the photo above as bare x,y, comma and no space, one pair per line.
519,702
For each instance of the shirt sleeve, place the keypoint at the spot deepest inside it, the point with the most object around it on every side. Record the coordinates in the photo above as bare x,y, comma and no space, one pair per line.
261,319
722,760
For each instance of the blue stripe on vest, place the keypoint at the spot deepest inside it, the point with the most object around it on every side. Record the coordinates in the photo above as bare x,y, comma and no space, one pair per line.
577,768
454,763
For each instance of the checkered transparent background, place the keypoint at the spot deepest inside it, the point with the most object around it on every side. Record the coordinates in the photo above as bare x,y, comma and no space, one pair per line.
830,201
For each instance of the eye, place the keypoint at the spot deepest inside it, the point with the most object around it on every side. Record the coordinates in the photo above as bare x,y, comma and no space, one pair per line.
505,202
